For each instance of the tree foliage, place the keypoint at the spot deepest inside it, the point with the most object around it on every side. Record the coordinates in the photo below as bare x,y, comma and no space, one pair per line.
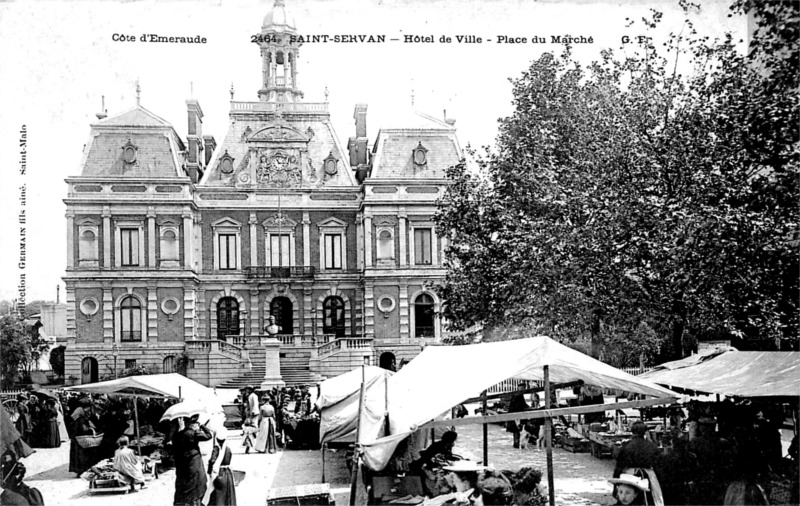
15,350
57,360
622,193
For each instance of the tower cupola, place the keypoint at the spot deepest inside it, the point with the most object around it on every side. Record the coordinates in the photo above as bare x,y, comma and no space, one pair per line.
280,51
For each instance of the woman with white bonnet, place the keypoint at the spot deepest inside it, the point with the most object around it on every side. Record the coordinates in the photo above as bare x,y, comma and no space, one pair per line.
224,493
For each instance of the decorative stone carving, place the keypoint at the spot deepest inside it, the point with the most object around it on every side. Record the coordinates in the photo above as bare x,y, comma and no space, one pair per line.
278,169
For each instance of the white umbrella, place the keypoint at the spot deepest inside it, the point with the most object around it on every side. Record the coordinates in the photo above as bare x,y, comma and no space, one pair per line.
188,409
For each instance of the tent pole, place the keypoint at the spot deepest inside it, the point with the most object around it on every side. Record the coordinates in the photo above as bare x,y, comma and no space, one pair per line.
323,462
136,420
357,453
484,405
548,437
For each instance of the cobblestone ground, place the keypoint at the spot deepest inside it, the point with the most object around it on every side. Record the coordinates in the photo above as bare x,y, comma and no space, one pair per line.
579,478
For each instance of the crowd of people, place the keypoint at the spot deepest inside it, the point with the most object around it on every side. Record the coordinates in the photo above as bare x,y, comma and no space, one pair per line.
276,415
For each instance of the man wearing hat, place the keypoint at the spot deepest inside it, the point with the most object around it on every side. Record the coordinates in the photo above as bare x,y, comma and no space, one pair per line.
638,452
630,489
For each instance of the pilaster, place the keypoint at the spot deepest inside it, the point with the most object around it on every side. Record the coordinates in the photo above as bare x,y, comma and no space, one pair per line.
367,240
253,241
189,314
359,242
254,316
307,239
152,313
151,237
403,308
70,239
107,237
369,308
309,312
188,238
403,232
202,315
70,300
108,314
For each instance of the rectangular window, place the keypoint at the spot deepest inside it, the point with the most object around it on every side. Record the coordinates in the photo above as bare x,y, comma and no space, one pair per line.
129,247
130,364
422,246
333,251
227,251
279,250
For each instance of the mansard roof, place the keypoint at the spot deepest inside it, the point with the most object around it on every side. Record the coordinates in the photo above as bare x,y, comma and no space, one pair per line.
308,137
395,144
157,147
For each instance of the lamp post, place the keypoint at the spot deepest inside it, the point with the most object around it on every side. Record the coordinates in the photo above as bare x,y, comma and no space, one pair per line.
114,351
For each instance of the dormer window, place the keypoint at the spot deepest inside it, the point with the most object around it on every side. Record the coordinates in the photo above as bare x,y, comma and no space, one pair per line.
226,163
420,155
330,164
129,152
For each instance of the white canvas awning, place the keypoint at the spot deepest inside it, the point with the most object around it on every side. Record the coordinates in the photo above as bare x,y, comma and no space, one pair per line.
444,376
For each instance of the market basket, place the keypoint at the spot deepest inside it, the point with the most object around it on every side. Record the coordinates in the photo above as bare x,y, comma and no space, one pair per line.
238,476
90,441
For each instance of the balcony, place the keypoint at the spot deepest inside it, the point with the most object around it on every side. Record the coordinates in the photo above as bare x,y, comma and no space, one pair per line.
296,272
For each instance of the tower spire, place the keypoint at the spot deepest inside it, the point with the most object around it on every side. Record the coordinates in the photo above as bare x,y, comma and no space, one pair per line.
280,51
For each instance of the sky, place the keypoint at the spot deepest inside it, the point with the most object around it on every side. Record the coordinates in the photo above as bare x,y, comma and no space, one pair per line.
58,58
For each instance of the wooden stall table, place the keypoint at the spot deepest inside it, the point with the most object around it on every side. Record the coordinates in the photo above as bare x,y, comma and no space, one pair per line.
603,443
300,495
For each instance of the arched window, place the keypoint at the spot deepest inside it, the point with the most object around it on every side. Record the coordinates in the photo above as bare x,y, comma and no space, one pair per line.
227,317
333,316
423,316
281,309
168,364
130,316
88,370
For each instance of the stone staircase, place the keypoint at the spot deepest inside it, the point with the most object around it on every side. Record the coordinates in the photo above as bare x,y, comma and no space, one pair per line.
295,370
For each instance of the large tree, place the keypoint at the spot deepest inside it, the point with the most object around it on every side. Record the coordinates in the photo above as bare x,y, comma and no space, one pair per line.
622,193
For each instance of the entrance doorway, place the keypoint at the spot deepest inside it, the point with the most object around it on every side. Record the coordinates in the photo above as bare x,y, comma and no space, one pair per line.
88,370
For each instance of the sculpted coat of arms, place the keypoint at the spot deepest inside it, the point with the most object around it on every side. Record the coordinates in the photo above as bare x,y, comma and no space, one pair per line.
278,169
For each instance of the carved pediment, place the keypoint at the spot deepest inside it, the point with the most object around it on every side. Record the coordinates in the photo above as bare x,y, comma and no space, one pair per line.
278,131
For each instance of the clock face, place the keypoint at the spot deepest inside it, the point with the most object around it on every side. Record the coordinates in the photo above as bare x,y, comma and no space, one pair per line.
330,167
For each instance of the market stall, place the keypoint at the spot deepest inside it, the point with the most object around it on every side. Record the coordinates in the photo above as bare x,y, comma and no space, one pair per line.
414,402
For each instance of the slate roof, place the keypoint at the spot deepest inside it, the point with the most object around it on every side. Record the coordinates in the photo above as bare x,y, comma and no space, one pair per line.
323,142
157,146
392,152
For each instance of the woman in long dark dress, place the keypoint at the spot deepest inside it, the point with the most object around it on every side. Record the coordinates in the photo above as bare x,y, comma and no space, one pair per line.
48,426
190,475
224,493
83,424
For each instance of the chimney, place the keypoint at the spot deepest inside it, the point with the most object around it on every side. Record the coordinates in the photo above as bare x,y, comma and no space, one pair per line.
194,140
210,145
357,145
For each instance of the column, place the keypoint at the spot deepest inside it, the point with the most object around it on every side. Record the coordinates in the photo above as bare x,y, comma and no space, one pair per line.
107,237
188,239
404,311
151,237
367,240
369,308
402,232
307,239
253,240
108,314
152,313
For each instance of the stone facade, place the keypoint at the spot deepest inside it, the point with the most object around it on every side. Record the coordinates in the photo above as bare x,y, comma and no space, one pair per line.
182,249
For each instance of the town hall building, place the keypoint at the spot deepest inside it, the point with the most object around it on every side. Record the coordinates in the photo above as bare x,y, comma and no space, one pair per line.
278,256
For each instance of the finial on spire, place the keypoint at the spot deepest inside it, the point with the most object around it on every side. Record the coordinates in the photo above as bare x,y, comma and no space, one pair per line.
103,112
326,93
231,91
138,92
412,91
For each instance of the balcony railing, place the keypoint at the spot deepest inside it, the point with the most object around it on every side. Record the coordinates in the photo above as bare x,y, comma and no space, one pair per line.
296,272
